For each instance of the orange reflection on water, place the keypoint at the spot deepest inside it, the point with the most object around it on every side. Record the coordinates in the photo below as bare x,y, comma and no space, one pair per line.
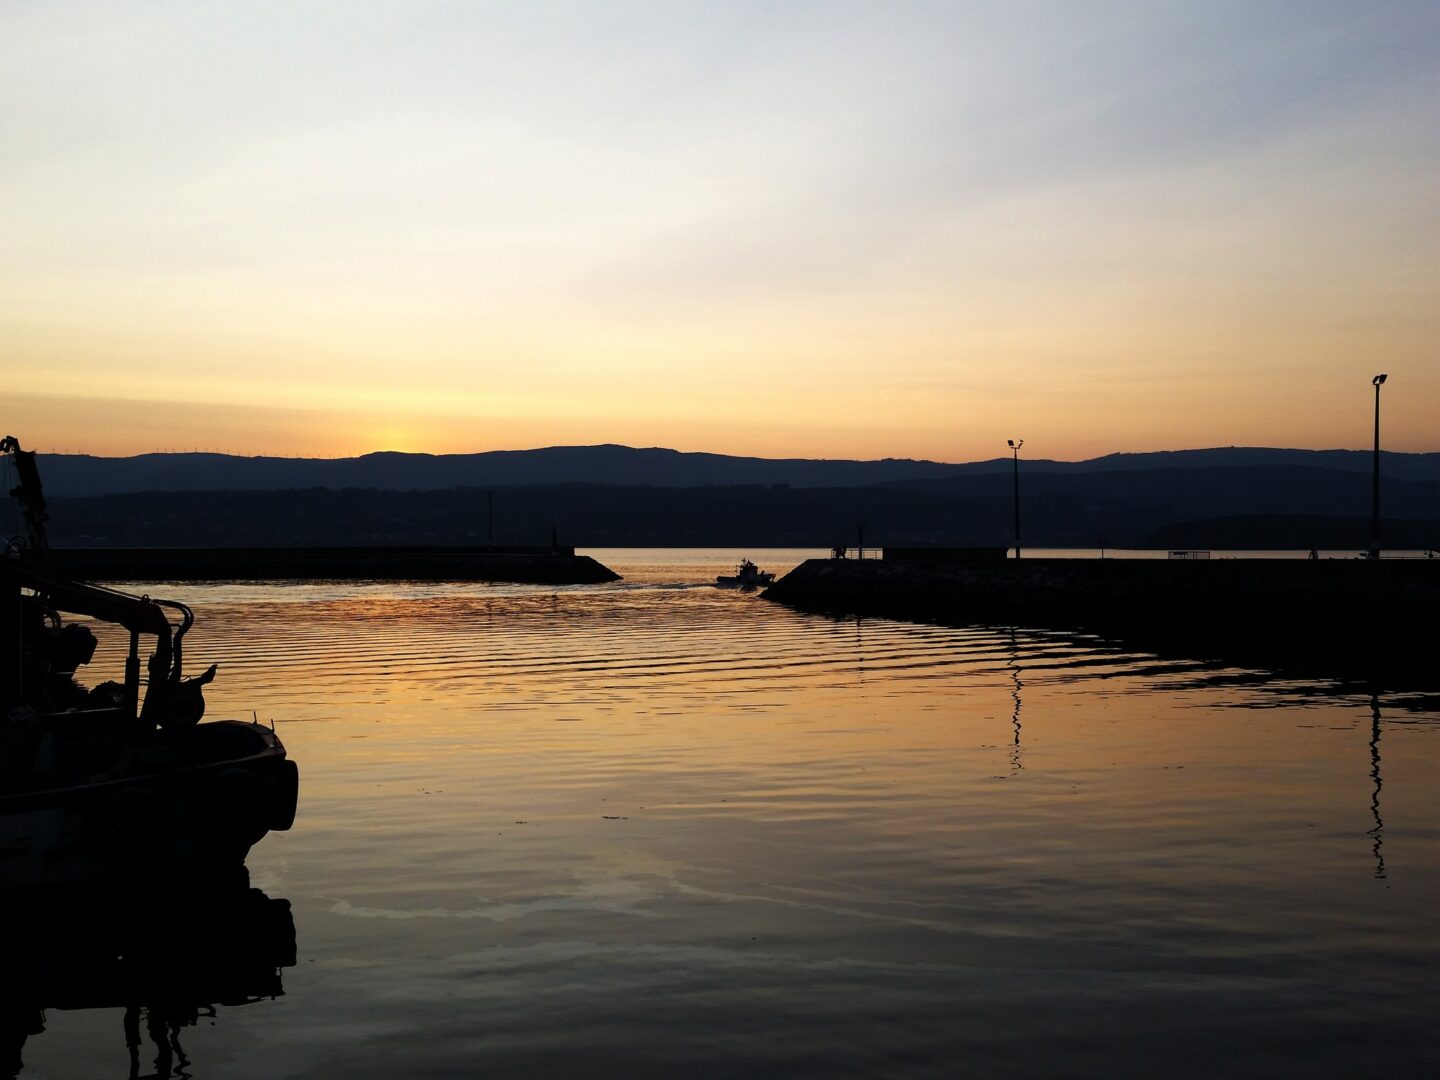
677,787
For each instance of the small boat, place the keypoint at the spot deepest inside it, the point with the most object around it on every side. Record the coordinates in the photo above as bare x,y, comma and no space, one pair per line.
106,780
747,576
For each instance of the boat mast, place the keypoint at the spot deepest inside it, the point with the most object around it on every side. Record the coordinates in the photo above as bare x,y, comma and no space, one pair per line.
29,495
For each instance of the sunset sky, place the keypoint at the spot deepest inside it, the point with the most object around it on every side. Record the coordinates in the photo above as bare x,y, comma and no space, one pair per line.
782,229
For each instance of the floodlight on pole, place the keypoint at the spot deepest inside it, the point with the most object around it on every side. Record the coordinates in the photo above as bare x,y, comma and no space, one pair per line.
1015,445
1378,381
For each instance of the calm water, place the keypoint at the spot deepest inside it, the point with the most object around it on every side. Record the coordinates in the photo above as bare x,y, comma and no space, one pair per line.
654,829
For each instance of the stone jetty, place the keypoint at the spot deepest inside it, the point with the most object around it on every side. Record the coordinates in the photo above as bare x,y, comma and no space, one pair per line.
526,565
1377,613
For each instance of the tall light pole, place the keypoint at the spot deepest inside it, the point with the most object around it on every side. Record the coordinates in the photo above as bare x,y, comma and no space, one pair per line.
1015,445
1378,381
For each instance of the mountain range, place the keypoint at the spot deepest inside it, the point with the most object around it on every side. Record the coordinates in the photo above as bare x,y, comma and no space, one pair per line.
620,496
73,475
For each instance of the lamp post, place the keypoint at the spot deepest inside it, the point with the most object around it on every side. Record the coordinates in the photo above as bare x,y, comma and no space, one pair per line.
1015,445
1378,381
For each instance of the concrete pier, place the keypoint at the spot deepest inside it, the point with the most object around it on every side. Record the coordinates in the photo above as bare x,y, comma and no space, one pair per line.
537,565
1379,614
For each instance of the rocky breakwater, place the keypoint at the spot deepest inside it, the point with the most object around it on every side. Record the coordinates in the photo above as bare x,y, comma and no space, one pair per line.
538,565
1372,616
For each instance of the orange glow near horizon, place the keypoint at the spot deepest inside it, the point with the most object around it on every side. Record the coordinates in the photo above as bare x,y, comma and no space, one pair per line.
124,427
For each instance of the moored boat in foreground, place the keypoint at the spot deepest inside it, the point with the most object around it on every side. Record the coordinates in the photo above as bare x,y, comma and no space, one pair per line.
119,777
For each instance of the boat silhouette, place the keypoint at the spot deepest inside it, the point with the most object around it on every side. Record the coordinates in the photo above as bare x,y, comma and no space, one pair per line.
120,777
747,576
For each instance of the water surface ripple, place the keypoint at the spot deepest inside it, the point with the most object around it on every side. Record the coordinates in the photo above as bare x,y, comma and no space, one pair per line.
655,828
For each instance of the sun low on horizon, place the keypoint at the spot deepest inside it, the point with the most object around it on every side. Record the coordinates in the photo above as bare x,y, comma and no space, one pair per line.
816,230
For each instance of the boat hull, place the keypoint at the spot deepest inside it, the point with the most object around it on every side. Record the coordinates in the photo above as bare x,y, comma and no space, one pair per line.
753,582
193,802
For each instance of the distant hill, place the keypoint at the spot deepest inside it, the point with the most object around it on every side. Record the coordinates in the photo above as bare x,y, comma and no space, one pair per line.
617,495
579,514
1125,509
70,475
1401,466
1177,494
1259,532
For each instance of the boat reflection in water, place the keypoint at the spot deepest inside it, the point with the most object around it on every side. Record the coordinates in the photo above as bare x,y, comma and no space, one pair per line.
166,963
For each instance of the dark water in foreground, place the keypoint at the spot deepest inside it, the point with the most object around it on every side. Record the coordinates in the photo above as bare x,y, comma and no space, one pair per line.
656,829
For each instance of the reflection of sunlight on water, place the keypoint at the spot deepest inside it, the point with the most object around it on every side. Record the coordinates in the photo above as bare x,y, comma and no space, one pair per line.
617,896
661,787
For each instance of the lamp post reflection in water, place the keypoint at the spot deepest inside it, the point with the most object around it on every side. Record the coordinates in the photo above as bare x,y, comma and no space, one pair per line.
1015,763
1377,833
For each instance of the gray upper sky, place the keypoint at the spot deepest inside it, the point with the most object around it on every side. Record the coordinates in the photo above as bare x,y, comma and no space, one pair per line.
576,222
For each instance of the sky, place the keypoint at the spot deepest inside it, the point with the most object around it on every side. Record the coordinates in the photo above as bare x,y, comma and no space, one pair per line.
776,229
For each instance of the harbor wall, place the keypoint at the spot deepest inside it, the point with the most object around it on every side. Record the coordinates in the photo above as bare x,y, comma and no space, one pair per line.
547,566
1360,610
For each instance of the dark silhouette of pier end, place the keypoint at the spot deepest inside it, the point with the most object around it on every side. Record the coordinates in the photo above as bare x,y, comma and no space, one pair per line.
1347,618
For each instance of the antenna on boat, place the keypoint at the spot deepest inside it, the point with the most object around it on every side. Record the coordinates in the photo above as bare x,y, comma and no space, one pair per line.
29,494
